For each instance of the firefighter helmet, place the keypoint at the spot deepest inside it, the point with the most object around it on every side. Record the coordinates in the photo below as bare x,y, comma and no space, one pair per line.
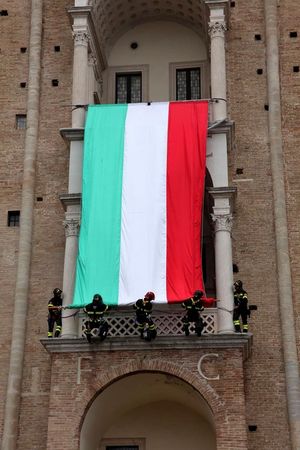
238,284
98,298
149,296
198,294
57,291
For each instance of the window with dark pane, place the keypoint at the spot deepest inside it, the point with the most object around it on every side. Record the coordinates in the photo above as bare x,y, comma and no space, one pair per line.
21,121
129,87
122,447
188,84
13,218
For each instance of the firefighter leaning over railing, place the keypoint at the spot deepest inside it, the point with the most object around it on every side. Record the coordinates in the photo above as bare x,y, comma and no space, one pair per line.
143,309
95,312
194,306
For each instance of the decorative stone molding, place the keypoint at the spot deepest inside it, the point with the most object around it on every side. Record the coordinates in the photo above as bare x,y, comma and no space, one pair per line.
222,222
92,60
81,37
243,342
100,83
72,227
216,29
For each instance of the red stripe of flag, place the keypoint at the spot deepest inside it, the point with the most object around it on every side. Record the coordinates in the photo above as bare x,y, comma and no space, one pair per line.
187,135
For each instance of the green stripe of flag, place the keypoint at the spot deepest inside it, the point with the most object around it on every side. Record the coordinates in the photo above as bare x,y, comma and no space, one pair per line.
98,262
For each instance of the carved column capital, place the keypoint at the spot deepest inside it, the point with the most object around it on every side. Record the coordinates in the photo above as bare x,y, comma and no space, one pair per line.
222,222
71,227
81,37
216,29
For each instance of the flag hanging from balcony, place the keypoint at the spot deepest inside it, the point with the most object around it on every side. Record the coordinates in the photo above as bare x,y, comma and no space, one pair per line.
142,198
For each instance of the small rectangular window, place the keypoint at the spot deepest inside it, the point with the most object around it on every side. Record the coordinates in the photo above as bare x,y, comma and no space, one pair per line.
129,87
21,121
188,84
13,218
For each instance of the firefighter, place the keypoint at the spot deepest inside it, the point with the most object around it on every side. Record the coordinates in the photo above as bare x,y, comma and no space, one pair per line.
193,307
143,308
95,312
240,307
54,313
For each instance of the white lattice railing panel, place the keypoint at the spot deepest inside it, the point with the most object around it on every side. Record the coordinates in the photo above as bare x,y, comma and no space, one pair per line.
122,324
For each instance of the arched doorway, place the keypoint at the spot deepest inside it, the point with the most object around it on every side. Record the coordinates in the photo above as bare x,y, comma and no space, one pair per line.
155,410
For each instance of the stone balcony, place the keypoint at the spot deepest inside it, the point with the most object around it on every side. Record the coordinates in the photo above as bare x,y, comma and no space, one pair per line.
123,334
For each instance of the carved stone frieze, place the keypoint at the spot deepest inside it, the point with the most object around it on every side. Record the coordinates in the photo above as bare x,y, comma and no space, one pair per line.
222,222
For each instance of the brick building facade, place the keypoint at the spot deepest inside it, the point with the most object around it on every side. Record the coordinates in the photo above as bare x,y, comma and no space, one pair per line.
242,390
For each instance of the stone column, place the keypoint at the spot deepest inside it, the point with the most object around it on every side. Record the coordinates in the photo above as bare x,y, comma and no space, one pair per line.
72,215
222,218
80,74
224,275
71,224
216,31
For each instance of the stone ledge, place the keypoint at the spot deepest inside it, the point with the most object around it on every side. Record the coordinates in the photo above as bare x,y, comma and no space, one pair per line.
72,134
212,341
223,127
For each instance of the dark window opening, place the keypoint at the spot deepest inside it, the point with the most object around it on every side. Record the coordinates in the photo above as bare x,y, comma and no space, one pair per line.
23,84
13,218
293,34
21,121
23,49
259,71
57,48
296,69
129,87
4,12
232,4
54,83
257,37
188,84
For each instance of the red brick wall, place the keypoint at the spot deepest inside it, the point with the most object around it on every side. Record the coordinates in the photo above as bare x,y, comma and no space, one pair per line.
253,234
225,396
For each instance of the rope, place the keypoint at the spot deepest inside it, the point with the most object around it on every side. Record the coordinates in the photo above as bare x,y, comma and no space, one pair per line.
225,309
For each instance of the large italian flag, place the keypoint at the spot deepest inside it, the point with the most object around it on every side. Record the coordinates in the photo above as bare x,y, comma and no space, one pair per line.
142,197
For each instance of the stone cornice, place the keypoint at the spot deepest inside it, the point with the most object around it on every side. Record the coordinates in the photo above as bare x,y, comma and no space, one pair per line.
223,127
224,193
232,341
70,200
72,134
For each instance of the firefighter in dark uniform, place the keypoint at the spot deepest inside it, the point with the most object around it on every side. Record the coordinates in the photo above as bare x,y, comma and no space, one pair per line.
240,298
54,313
143,308
95,312
193,307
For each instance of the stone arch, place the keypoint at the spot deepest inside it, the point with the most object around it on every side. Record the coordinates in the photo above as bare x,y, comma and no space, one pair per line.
145,365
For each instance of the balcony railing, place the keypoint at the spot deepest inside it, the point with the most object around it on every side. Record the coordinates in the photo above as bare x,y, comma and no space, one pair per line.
168,323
